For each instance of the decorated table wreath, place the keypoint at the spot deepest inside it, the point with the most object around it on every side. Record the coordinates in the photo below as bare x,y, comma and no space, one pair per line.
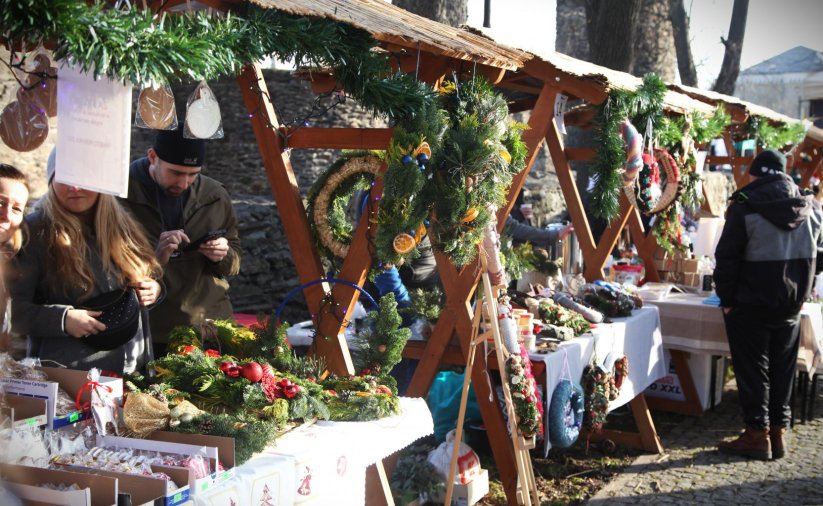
329,201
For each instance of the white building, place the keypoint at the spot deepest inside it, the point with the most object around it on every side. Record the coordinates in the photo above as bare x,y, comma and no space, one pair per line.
790,83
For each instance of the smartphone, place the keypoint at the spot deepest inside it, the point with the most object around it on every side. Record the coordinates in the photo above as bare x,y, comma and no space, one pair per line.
210,235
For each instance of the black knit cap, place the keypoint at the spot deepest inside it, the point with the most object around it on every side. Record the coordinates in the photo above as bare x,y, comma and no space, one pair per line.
768,162
172,147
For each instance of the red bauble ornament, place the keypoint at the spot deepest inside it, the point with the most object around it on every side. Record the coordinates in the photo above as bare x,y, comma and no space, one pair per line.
252,372
226,366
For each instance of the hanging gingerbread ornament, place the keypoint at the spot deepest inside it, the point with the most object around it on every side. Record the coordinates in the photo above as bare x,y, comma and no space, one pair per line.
23,127
155,109
203,115
40,87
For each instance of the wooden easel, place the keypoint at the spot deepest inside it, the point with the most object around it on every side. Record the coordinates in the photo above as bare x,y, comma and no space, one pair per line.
525,472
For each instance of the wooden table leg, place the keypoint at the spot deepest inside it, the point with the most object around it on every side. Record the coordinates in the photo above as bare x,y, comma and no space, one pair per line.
378,491
645,438
691,404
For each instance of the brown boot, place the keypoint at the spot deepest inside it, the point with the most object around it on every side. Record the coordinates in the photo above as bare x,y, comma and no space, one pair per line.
753,443
777,436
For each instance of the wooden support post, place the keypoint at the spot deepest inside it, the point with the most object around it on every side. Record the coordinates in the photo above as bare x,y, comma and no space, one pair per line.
290,205
690,405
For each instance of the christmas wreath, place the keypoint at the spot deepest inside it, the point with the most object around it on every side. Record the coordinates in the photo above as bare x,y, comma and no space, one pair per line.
600,389
329,202
528,406
565,414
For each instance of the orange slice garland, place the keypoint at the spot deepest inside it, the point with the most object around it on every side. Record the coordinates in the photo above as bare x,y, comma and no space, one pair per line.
403,243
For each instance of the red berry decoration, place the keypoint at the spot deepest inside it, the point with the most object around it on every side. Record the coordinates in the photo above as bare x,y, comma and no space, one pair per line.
252,371
226,366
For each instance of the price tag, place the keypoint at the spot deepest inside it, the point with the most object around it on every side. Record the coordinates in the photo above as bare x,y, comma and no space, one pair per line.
560,111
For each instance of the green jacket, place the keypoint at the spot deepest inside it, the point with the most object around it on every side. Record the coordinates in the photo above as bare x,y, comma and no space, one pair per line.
196,287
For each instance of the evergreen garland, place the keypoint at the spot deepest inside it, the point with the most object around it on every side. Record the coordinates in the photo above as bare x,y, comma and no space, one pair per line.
403,206
426,304
769,136
250,434
638,106
135,46
482,151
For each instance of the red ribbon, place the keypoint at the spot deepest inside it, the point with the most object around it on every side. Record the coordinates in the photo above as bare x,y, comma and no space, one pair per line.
88,387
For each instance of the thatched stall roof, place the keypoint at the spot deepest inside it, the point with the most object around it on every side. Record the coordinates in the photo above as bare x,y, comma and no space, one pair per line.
390,24
740,109
527,71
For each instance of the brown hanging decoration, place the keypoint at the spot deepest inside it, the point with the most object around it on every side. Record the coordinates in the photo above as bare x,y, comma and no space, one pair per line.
40,88
155,109
23,127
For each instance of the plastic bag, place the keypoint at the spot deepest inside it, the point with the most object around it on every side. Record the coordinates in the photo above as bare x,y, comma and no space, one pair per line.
156,109
468,463
203,120
444,402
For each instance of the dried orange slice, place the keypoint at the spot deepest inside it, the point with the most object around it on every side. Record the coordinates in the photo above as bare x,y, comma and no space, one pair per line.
423,148
506,156
471,215
403,243
420,233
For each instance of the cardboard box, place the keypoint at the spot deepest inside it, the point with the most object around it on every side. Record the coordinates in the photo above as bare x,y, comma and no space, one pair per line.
70,380
216,449
700,365
470,493
148,489
225,455
94,490
25,411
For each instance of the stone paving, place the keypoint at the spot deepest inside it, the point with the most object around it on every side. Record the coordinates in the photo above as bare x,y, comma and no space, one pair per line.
692,471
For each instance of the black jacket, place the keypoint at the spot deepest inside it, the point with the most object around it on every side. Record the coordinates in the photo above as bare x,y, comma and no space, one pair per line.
768,250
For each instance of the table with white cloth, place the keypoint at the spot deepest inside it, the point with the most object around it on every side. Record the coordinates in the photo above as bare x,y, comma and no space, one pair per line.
324,462
690,325
637,337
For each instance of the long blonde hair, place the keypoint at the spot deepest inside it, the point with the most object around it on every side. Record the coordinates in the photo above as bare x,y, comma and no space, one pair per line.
124,250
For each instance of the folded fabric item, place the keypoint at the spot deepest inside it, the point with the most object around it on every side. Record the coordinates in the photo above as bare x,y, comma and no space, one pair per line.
712,300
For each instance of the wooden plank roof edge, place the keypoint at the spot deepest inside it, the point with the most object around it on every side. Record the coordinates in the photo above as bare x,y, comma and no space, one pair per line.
815,135
389,23
719,98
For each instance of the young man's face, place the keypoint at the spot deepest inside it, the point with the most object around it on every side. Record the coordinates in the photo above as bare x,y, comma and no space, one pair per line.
173,179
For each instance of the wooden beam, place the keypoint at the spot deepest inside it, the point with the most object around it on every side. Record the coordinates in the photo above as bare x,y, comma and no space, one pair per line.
337,138
290,206
595,262
580,154
573,201
587,89
533,138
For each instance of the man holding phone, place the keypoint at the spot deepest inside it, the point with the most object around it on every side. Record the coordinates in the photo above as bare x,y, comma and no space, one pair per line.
190,219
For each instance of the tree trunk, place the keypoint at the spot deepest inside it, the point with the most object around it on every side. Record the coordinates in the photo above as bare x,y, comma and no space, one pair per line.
734,45
449,12
610,26
685,61
571,29
654,41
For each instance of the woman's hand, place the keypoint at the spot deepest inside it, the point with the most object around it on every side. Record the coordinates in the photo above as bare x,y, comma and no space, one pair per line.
82,323
148,291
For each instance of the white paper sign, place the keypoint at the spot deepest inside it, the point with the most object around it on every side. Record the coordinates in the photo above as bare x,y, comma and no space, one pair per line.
93,132
559,112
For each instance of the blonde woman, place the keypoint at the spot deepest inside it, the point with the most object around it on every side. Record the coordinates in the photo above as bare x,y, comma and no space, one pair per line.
14,194
81,244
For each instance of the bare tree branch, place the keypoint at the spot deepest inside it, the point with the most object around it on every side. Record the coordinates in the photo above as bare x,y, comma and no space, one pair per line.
685,60
734,46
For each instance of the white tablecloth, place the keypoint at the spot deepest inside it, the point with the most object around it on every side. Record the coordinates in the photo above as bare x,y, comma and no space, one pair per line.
323,463
689,325
638,337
